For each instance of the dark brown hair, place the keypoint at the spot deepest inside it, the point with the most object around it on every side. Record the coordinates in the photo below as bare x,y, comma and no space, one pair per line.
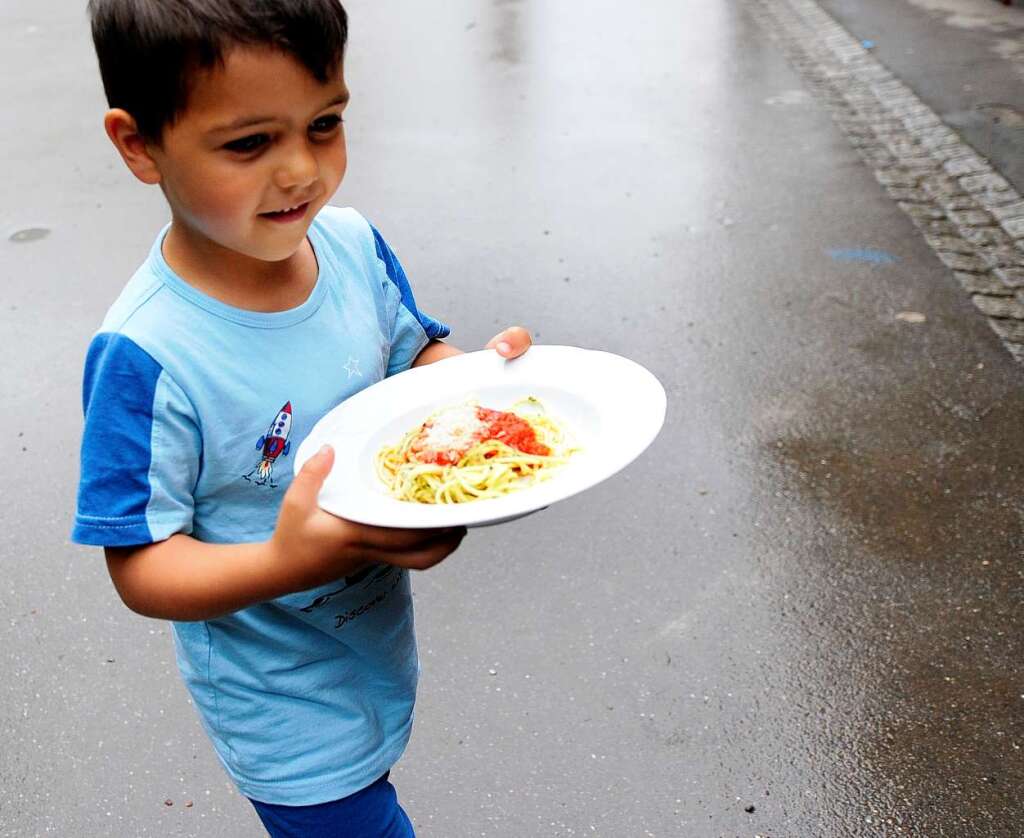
149,51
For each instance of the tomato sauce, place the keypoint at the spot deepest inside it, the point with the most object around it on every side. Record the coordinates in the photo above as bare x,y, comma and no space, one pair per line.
513,431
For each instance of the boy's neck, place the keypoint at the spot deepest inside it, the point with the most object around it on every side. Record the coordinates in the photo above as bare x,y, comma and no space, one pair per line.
239,280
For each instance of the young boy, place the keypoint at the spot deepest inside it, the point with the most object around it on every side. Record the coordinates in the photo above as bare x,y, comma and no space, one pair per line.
257,304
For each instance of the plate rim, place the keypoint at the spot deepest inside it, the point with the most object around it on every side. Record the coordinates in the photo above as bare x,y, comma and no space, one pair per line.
515,505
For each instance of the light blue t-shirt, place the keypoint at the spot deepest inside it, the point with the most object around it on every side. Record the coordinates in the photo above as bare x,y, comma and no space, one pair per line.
193,411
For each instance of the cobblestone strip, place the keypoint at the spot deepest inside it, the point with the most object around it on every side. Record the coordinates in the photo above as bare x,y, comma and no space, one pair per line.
968,213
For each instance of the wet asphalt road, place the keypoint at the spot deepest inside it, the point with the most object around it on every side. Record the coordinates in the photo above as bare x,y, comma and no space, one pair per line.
804,600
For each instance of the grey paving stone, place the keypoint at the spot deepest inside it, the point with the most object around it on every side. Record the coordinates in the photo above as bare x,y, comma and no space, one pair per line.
936,227
922,212
970,165
952,203
1010,277
949,244
983,284
908,195
877,157
1000,198
1006,307
1011,330
902,146
867,141
842,111
924,121
873,115
970,218
908,107
861,130
938,136
1011,210
925,164
893,87
892,95
941,186
888,127
981,236
897,176
1001,256
1015,349
949,151
985,182
877,73
1014,226
989,188
962,262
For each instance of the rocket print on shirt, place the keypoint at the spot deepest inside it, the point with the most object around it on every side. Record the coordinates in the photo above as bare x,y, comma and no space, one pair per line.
272,445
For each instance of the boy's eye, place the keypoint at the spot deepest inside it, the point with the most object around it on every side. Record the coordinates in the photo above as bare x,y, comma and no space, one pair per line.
325,124
247,144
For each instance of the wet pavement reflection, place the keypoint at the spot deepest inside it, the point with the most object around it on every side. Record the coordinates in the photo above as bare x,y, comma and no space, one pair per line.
799,614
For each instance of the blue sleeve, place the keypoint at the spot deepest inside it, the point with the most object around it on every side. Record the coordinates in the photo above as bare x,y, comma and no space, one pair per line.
409,323
140,449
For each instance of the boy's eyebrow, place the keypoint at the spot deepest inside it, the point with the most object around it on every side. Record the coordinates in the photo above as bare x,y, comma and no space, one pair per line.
246,121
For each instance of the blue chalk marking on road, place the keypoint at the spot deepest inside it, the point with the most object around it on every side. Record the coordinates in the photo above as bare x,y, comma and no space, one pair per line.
858,254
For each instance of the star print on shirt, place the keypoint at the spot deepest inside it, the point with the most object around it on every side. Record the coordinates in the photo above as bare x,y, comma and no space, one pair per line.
352,367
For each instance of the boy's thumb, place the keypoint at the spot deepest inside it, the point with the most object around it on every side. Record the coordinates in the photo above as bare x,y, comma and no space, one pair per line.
311,476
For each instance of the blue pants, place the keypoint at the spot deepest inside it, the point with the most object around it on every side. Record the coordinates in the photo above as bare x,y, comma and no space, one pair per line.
371,813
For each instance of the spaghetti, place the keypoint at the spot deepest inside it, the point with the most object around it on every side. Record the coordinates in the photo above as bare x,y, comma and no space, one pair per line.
467,452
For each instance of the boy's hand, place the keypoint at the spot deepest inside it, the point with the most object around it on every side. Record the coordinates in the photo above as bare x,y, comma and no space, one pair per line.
511,343
320,547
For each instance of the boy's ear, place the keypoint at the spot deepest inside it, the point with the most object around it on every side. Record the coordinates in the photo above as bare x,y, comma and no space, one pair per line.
130,144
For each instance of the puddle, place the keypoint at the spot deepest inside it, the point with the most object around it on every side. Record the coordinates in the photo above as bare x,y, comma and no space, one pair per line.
920,471
904,549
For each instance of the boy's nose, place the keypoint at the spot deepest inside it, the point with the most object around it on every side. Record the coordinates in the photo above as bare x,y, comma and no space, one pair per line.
298,168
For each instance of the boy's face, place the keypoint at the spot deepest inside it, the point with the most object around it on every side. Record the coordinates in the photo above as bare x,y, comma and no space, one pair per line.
258,151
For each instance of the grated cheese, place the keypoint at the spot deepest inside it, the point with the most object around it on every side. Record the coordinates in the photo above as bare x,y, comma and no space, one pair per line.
454,429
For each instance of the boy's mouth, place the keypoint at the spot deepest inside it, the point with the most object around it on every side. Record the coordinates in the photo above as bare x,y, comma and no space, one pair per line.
288,214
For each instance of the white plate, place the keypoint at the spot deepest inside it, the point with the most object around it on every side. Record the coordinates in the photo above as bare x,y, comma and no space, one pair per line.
612,407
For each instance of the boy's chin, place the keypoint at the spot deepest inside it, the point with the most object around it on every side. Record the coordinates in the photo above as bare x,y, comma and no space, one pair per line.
282,249
279,254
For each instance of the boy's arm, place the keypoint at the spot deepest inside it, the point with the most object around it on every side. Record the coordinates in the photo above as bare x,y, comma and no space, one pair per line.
511,343
185,579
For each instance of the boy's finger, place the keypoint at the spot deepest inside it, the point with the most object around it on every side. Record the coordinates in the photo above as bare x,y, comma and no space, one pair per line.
393,542
511,343
430,554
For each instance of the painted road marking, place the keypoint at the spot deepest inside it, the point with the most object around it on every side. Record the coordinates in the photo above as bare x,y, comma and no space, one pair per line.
861,254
